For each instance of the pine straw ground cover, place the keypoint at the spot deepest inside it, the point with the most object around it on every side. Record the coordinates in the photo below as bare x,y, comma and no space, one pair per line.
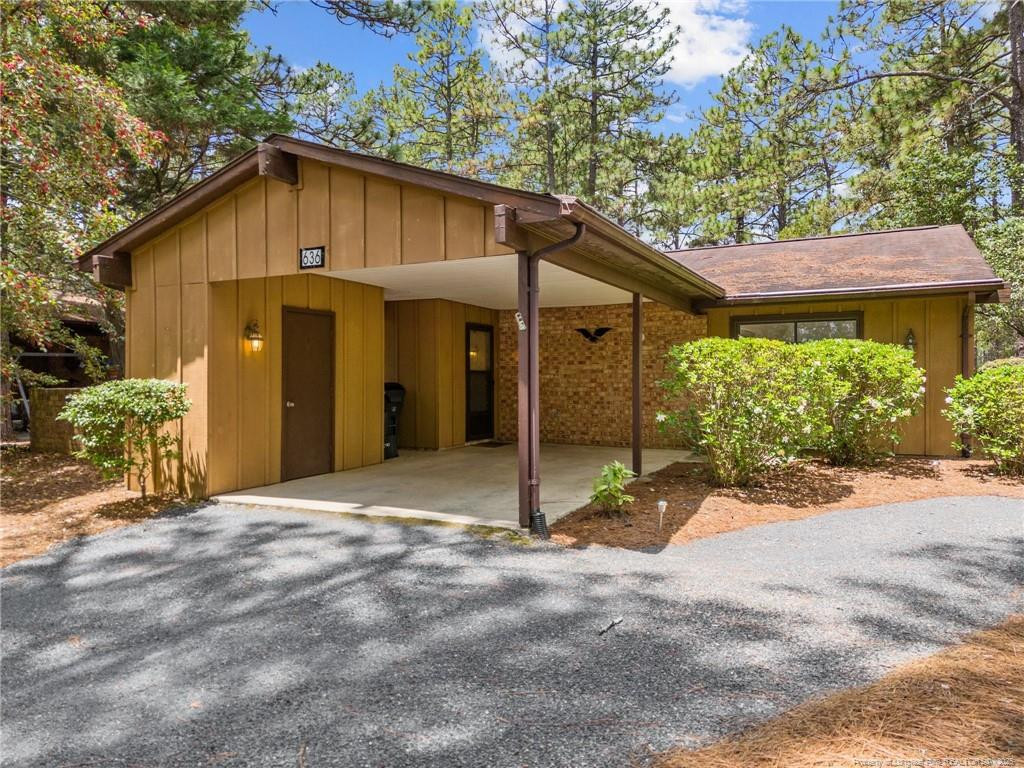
697,509
47,498
963,706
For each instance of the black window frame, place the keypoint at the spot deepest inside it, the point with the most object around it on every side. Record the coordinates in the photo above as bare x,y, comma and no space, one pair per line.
794,318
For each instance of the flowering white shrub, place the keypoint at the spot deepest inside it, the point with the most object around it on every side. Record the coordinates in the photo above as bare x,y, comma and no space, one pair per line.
989,407
755,404
750,407
868,390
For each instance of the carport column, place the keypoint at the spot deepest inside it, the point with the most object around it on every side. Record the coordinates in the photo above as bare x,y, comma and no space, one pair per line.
528,399
638,345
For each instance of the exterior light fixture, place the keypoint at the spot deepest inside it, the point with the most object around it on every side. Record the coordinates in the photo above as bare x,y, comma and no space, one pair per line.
662,506
910,342
253,337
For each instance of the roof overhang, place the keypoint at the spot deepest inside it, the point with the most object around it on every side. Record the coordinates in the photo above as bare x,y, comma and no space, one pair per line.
986,292
110,261
606,252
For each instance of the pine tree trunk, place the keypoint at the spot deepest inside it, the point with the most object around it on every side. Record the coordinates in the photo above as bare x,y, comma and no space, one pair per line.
592,161
1015,22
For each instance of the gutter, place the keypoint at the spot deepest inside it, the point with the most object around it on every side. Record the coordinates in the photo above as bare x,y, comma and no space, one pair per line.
576,211
986,287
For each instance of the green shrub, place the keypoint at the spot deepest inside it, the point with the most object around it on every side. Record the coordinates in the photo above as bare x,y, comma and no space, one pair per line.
989,407
867,390
749,404
1002,361
117,424
610,487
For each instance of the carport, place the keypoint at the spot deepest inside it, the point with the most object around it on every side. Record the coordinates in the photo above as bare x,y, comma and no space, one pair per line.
266,288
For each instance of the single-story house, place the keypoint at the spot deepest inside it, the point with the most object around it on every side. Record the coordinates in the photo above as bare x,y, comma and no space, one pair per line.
286,288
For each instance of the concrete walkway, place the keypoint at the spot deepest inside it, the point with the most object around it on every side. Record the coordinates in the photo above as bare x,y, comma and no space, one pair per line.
475,485
236,636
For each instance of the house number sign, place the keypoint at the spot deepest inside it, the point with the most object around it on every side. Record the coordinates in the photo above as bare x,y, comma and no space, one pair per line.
312,258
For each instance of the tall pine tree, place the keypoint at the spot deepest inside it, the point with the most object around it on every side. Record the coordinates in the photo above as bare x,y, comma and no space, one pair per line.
448,110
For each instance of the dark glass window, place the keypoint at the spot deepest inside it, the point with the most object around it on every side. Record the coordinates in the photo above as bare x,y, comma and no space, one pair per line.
797,330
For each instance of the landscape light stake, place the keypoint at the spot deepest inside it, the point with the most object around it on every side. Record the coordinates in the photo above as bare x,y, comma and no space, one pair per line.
662,506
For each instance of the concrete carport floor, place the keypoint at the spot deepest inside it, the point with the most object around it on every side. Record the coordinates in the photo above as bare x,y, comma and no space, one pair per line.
473,485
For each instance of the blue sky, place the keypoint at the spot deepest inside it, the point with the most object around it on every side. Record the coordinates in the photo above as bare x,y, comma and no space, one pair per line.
715,33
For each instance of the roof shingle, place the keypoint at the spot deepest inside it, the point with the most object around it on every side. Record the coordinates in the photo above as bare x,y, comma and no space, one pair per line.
914,258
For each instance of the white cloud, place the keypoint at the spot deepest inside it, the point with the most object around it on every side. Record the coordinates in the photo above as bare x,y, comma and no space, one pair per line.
713,38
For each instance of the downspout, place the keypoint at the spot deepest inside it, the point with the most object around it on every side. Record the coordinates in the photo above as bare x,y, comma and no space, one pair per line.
547,250
966,361
538,521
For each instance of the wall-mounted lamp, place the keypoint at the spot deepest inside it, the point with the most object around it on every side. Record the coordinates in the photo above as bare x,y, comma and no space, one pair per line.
910,342
253,337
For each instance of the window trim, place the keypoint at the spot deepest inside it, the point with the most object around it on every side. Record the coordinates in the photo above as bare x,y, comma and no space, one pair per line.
795,317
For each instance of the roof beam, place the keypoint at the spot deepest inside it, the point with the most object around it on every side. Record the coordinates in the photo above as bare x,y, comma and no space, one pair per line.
276,164
113,271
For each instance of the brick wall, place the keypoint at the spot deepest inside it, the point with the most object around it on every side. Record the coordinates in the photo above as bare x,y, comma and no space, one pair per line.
585,388
46,433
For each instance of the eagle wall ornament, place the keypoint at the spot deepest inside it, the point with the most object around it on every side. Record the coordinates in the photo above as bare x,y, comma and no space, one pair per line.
593,336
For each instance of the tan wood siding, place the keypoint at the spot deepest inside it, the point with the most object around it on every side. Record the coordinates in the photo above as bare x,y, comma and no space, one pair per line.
936,322
194,370
426,349
225,349
220,241
422,226
383,223
348,203
193,333
363,221
463,229
282,229
251,230
193,250
196,286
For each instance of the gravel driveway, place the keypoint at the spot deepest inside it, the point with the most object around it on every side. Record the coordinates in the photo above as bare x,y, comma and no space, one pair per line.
233,636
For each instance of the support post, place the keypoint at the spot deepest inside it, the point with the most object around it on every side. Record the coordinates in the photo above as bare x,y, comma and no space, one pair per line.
528,330
522,390
537,521
638,345
528,400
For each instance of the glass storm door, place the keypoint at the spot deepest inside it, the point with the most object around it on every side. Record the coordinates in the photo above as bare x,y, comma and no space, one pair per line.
479,382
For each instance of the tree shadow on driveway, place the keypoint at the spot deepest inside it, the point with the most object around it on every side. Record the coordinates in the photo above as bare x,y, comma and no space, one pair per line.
236,636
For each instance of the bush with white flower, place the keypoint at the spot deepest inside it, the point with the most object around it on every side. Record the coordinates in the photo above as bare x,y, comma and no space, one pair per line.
750,408
868,390
988,407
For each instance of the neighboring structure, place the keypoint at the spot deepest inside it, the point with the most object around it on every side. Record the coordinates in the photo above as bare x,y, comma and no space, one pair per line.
289,286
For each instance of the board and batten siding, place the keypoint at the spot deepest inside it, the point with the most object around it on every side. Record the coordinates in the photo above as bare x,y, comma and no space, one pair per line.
197,285
362,221
426,353
936,322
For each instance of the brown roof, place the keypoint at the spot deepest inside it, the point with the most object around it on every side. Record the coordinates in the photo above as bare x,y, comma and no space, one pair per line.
914,260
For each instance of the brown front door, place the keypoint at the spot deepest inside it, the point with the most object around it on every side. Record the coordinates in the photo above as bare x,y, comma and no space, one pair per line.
479,382
307,370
